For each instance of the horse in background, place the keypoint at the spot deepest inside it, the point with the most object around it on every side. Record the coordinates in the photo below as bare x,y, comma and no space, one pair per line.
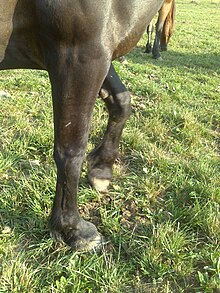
164,29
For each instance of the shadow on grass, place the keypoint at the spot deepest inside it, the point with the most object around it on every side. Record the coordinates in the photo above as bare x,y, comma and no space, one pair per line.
205,61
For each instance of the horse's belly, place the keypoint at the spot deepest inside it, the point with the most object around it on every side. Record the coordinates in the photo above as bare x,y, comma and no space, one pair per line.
18,43
6,24
131,22
128,42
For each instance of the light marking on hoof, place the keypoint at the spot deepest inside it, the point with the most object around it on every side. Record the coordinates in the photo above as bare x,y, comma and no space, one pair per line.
87,246
101,185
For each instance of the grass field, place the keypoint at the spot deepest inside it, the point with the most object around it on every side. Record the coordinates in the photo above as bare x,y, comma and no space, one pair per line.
161,215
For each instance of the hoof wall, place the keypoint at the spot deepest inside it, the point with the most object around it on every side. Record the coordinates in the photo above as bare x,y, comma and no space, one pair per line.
101,185
89,246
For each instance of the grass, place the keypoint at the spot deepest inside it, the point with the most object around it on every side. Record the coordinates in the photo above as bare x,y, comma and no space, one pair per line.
161,214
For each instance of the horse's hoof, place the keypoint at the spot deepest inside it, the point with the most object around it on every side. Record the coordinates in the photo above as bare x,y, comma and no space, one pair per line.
87,245
159,58
148,50
84,238
99,177
100,185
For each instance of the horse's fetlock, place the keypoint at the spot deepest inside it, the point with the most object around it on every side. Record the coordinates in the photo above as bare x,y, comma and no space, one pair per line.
69,221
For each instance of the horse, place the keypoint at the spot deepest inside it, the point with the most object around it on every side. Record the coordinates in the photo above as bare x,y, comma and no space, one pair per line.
75,42
164,29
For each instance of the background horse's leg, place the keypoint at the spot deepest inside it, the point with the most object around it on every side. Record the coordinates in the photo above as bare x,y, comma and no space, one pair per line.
101,159
75,86
150,30
168,27
163,12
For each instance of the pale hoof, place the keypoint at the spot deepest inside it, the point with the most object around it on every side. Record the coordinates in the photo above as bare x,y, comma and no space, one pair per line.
101,185
87,246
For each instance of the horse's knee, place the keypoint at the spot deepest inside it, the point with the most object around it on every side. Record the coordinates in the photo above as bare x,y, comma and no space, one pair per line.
120,108
67,158
124,105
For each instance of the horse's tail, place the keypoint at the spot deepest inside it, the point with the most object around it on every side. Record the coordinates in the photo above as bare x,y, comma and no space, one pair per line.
168,27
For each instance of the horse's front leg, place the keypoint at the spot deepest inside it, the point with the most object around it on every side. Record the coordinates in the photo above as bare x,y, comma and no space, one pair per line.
163,12
101,159
75,85
159,29
150,30
168,27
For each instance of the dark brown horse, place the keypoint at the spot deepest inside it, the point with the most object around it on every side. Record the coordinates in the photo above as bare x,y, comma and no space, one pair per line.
75,41
164,29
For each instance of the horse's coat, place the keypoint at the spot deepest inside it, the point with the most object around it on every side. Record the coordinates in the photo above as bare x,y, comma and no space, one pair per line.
75,41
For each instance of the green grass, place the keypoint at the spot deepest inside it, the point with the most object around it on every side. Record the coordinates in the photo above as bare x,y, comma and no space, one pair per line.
161,214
